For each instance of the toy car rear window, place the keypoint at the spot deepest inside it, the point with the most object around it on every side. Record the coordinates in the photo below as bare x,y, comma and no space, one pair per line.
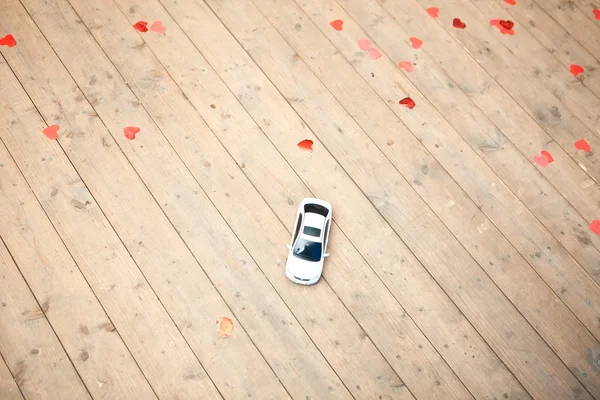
317,209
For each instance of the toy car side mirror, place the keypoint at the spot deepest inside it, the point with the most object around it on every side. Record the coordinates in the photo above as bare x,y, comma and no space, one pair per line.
326,255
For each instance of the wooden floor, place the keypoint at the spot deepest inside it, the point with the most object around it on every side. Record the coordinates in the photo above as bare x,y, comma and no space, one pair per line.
465,253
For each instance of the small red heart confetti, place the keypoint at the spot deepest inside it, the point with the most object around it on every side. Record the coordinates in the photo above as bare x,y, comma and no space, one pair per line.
597,13
364,44
457,23
595,226
511,2
337,24
225,326
408,102
130,132
576,69
306,145
433,12
582,144
157,27
8,40
141,26
51,132
505,27
544,159
374,54
415,42
405,65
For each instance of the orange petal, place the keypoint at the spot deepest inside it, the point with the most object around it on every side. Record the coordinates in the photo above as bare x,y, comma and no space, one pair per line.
225,326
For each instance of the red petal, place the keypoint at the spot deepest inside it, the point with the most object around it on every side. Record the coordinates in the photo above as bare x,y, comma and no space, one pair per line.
408,102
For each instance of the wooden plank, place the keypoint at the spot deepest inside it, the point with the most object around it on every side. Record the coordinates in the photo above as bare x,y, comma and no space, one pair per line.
8,387
531,96
134,308
530,17
448,113
485,242
28,344
391,195
367,358
557,90
240,200
237,199
578,20
588,8
442,141
391,262
487,126
252,296
99,354
186,291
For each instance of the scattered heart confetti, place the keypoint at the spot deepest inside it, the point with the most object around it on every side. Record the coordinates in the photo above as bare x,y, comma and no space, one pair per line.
576,69
405,65
505,27
416,43
141,26
597,13
51,132
8,40
408,102
157,27
511,2
433,11
374,54
544,159
364,44
595,226
130,132
306,145
225,326
338,24
457,23
582,144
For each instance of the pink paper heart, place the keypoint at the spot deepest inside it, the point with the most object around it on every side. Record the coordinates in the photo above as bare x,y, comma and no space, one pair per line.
416,43
374,54
130,132
433,12
157,27
544,159
405,65
364,44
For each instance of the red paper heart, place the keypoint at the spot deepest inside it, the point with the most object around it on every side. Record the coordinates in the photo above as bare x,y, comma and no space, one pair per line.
544,159
597,13
408,102
8,40
374,54
141,26
51,132
595,226
407,66
576,69
508,25
502,26
130,132
306,145
433,11
364,44
582,144
157,27
457,23
511,2
337,24
415,42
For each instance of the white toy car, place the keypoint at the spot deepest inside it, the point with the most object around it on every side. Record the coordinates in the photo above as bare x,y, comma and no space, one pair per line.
308,248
